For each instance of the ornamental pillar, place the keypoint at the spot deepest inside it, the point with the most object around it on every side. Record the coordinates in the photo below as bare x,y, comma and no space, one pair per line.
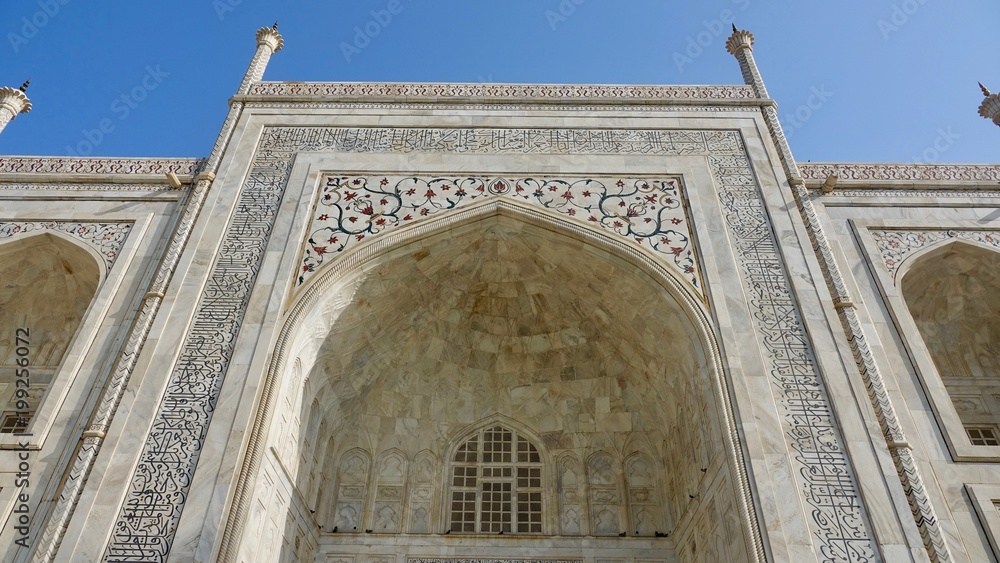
13,103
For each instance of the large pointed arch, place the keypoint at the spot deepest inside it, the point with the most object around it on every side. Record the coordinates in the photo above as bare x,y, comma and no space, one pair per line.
322,306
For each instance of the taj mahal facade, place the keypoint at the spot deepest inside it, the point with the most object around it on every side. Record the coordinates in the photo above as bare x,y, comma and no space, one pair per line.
485,323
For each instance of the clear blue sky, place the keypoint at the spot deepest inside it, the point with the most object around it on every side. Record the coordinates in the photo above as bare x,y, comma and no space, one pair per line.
887,80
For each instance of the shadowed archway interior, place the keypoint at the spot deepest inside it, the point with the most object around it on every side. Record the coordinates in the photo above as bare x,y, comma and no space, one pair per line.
499,326
953,294
46,286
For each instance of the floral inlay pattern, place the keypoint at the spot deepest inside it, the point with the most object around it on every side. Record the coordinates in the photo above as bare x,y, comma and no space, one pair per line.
649,212
896,245
106,238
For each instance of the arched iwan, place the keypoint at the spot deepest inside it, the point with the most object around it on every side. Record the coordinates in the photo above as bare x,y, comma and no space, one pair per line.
417,335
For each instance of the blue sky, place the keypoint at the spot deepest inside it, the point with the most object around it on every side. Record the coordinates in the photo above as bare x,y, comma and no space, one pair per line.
856,80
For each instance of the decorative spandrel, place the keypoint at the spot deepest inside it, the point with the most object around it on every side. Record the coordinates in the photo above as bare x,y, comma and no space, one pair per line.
896,245
648,212
105,238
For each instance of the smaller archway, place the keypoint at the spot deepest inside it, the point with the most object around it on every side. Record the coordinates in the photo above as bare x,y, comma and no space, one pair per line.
46,286
953,295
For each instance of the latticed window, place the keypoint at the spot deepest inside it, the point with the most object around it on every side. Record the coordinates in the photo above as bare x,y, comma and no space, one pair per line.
497,484
982,435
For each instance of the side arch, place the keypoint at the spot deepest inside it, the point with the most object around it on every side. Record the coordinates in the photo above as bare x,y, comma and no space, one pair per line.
952,291
48,284
938,248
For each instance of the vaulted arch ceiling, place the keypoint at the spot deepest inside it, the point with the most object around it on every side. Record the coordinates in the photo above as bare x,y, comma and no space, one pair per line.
502,317
953,294
46,284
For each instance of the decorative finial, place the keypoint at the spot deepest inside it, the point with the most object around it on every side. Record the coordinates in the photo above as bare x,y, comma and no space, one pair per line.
270,36
24,87
739,40
990,108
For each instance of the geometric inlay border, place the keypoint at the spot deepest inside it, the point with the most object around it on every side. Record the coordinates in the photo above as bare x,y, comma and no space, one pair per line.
106,238
158,488
896,245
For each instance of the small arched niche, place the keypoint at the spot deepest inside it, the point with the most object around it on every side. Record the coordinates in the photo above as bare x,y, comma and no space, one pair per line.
46,286
504,325
953,295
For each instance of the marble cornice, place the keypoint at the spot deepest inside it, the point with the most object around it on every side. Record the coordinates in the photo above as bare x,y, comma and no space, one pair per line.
93,173
555,94
903,175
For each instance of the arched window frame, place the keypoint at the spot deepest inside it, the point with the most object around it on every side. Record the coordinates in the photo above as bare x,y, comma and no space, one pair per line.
525,482
43,416
889,285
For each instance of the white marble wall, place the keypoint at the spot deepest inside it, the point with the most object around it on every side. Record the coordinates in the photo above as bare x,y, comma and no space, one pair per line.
97,244
417,338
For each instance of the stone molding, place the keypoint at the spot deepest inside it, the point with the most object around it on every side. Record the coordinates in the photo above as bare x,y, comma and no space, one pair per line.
74,165
903,191
481,560
896,245
514,93
479,105
105,238
95,187
888,172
